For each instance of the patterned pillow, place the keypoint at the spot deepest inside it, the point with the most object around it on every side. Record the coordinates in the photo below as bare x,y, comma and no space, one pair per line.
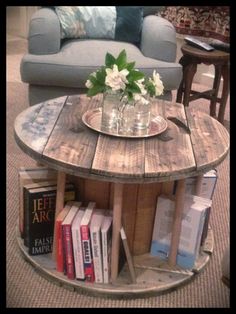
106,22
87,22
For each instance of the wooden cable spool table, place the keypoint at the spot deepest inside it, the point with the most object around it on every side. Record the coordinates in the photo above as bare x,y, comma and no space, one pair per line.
126,175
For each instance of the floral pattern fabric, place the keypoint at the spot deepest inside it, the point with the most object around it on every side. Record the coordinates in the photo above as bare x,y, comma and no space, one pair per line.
203,21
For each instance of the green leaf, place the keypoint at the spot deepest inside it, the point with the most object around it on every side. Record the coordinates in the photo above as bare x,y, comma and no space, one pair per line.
135,75
95,90
101,75
109,60
93,79
133,88
121,60
130,66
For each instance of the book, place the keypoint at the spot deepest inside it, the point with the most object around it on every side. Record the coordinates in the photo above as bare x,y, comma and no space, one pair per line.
86,242
27,187
77,245
59,256
67,239
31,175
95,235
106,234
191,228
128,255
40,206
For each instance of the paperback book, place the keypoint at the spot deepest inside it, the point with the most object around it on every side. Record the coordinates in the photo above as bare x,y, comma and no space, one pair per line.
39,209
67,239
77,245
95,235
106,233
191,229
86,242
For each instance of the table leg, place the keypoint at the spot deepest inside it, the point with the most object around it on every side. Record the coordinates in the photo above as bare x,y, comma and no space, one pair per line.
216,86
225,92
189,72
61,181
116,226
198,185
176,228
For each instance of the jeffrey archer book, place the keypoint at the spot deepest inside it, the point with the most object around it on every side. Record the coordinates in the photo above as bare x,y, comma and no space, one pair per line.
40,211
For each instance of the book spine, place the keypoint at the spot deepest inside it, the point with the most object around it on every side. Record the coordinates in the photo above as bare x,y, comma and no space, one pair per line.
59,244
97,256
105,256
87,254
67,238
78,254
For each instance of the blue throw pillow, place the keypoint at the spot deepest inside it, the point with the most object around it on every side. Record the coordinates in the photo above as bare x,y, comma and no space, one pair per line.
129,23
87,22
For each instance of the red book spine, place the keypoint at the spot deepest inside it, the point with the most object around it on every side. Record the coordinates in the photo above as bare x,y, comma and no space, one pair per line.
87,254
59,258
67,237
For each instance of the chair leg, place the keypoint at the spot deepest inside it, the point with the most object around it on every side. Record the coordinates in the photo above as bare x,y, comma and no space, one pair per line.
216,86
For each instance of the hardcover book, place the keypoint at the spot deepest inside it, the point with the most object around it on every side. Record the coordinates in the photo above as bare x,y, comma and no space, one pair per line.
59,239
31,175
106,233
95,234
86,242
40,213
77,245
191,229
67,239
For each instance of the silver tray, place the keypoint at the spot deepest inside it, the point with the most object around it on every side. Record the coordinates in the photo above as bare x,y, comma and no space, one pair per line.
92,118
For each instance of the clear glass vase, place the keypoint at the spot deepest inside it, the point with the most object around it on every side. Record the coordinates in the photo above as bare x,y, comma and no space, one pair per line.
110,109
142,115
126,118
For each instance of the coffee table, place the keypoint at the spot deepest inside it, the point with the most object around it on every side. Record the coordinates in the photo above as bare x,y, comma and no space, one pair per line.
133,172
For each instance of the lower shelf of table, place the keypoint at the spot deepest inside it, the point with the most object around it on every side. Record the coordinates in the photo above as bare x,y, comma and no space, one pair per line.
153,275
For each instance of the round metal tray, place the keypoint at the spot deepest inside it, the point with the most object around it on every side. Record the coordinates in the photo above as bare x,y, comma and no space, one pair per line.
92,118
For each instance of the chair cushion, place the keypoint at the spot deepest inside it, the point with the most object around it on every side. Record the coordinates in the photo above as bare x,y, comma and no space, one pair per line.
79,58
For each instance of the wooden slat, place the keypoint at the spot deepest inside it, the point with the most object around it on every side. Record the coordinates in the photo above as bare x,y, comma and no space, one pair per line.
97,191
171,158
34,125
210,139
117,157
72,143
145,216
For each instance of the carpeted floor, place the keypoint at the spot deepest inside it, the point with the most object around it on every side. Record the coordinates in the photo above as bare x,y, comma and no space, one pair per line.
27,289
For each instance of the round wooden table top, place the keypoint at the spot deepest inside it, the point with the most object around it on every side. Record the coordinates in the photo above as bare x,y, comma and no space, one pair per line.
53,133
207,56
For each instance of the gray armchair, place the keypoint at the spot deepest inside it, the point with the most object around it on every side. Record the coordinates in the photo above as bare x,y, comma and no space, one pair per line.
54,67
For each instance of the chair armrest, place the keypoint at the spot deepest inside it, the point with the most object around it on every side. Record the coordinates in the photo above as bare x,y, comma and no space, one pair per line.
44,32
158,39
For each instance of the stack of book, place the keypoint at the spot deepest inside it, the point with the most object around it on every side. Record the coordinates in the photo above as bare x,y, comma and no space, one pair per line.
83,236
38,190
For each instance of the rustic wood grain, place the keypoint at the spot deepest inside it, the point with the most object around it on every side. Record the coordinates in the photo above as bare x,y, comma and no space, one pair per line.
174,157
210,139
71,143
34,125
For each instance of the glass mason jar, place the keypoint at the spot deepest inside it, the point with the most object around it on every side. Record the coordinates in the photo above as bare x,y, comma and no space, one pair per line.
126,118
142,115
111,102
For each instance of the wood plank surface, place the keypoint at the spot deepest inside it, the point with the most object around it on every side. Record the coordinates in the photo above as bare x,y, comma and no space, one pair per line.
174,157
210,139
72,144
34,125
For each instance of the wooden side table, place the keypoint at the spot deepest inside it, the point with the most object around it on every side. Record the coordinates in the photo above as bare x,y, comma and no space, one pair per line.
191,58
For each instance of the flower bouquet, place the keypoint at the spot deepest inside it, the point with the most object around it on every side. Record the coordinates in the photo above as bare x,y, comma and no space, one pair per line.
125,89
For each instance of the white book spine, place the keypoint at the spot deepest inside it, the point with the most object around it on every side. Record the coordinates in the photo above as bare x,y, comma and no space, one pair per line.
97,254
105,258
77,247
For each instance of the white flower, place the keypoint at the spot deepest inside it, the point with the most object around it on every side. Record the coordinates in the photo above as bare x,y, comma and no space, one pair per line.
140,98
159,88
116,79
89,84
141,86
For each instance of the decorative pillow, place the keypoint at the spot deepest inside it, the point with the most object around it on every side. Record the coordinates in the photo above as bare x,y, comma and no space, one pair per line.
107,22
129,24
87,22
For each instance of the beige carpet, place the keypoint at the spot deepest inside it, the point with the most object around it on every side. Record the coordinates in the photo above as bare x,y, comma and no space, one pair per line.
27,289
